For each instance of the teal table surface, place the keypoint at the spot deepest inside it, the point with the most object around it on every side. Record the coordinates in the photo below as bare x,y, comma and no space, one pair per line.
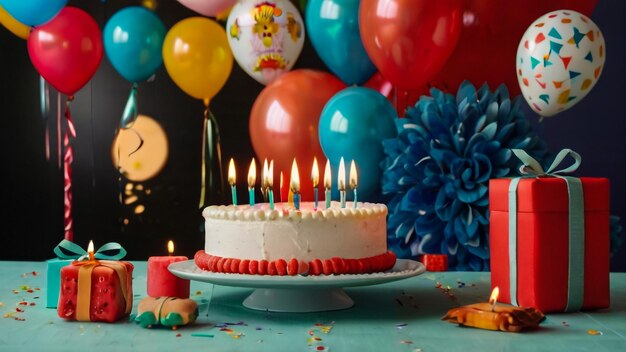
403,315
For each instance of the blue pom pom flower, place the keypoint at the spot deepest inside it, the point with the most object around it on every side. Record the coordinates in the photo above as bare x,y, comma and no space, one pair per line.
437,171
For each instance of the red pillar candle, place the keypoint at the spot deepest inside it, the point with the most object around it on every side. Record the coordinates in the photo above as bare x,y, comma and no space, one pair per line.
96,290
162,283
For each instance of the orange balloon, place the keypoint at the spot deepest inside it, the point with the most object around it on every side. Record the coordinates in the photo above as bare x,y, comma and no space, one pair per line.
284,122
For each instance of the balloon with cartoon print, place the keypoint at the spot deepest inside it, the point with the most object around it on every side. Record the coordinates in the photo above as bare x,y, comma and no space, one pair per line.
266,37
559,60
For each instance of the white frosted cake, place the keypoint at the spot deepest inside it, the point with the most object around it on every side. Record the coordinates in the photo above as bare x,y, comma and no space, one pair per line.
284,241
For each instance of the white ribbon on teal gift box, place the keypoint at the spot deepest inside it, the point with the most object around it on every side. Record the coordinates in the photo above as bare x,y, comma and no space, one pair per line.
576,207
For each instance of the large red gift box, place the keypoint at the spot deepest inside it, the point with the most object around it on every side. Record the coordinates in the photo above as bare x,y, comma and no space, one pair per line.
543,242
96,291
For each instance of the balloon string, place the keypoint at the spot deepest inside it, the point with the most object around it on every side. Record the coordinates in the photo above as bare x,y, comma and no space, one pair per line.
205,133
68,159
141,141
59,129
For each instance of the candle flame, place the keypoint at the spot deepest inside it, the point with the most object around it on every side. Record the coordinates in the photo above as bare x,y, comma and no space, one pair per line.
494,295
271,174
315,173
353,175
232,176
252,174
265,175
281,180
170,247
341,176
90,250
294,183
327,175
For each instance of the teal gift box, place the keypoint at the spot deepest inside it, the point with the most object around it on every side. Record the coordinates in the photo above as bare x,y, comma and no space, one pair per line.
54,280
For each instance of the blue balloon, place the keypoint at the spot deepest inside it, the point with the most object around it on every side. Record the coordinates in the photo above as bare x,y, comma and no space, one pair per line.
353,125
133,42
333,26
33,12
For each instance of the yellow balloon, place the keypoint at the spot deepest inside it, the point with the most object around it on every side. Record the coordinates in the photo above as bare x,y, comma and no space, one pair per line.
18,28
197,57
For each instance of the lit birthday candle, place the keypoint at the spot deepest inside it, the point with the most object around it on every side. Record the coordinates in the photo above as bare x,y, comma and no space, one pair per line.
315,178
270,189
232,180
327,183
251,181
294,184
264,181
353,180
341,182
283,190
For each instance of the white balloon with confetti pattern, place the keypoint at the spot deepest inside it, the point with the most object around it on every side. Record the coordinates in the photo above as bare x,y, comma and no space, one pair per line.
559,60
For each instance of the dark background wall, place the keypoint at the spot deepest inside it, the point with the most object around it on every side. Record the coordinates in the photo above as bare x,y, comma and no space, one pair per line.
32,187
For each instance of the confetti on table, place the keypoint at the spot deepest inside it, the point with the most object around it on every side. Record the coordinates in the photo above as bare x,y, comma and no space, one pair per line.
320,348
179,335
565,323
232,333
33,273
407,300
199,334
447,290
594,332
406,342
401,325
315,340
198,293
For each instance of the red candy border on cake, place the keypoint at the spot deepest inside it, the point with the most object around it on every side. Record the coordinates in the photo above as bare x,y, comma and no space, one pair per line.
282,267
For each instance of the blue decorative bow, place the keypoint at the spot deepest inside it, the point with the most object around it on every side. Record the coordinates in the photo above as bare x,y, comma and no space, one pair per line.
70,250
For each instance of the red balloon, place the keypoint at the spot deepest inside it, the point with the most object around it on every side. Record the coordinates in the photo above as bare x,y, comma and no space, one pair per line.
284,122
379,83
409,41
488,44
67,50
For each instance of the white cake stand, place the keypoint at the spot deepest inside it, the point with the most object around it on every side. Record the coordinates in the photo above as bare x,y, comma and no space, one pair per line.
298,293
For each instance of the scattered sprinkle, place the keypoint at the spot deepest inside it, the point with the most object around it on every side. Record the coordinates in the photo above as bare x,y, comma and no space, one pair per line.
33,273
198,293
594,332
199,334
258,328
179,335
406,342
19,310
401,325
447,290
321,348
565,323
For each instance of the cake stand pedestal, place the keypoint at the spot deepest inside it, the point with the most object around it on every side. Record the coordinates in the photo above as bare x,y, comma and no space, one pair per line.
298,300
298,294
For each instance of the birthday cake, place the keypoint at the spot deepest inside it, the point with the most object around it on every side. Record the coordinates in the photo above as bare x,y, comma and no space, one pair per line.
285,241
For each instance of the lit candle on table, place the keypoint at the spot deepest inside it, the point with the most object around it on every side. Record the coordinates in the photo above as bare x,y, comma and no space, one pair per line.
494,316
270,189
341,182
232,180
353,180
315,178
251,181
327,184
294,184
162,283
